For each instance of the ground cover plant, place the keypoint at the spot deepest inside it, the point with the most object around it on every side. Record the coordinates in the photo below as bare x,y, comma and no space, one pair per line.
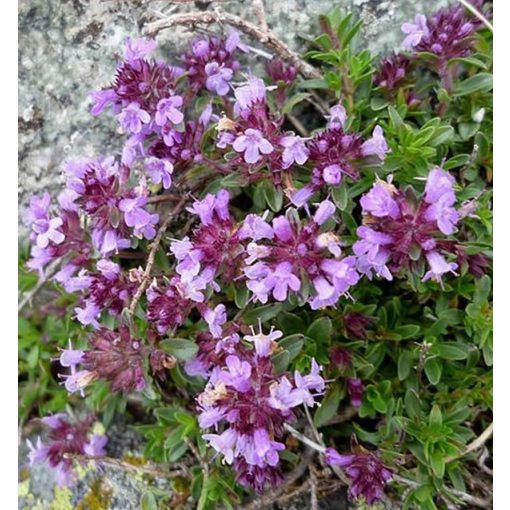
284,278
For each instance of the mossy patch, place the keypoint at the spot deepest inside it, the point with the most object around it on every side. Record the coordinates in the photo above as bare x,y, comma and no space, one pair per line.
99,496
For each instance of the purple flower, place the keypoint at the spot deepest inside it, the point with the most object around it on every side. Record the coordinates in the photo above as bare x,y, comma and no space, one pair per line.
160,171
438,267
237,374
218,78
95,446
295,151
333,458
355,389
101,100
415,31
443,213
66,438
337,117
136,216
256,228
264,344
168,110
224,443
137,49
367,474
439,183
375,146
48,230
252,143
70,357
248,95
324,211
379,201
280,280
301,196
133,117
215,318
332,174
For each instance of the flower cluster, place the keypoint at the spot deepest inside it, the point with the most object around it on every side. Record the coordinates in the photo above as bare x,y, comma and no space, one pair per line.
66,437
211,63
399,229
213,249
447,34
248,404
115,357
367,474
288,256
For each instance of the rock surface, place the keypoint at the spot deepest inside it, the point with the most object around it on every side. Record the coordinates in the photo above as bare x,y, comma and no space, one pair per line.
67,48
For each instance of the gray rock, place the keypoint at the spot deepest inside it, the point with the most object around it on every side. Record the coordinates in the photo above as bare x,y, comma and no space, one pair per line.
68,47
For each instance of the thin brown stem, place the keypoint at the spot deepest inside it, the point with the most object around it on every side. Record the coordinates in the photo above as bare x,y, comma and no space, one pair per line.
29,295
152,254
476,443
266,38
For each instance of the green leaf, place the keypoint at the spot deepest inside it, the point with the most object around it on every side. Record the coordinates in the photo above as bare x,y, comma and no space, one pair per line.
290,323
436,417
281,361
405,363
433,370
442,135
313,84
396,119
340,196
407,331
481,82
273,196
293,101
181,348
437,463
450,350
148,501
320,329
292,344
378,103
412,404
328,407
262,313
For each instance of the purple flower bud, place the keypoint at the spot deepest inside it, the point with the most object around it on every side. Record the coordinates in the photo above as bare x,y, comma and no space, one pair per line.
333,458
355,389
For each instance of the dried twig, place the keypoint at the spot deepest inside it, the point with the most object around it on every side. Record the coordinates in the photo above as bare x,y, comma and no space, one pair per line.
476,443
478,14
267,38
464,496
50,271
152,254
314,501
275,495
126,466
